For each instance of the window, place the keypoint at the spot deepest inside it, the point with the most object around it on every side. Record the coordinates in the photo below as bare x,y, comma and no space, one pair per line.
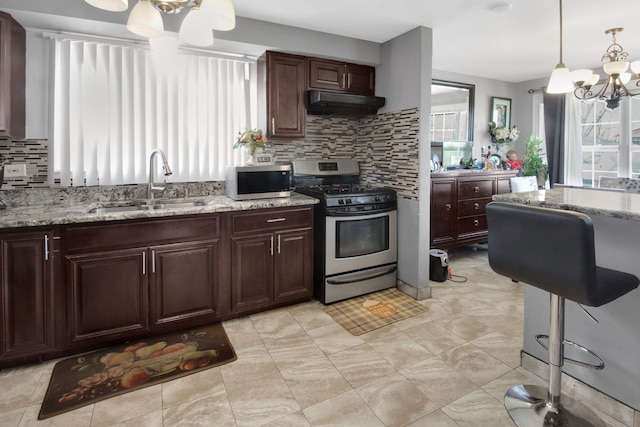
114,104
610,140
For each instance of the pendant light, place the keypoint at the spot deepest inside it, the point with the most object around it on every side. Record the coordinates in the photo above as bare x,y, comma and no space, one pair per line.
196,28
110,5
560,80
145,20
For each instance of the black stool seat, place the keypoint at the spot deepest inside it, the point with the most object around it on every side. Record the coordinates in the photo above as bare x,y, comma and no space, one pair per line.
552,250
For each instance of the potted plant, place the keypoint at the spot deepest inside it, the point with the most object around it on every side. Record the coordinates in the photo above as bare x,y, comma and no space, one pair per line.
533,164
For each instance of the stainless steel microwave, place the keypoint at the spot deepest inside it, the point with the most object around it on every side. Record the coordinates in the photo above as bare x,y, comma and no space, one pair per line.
258,182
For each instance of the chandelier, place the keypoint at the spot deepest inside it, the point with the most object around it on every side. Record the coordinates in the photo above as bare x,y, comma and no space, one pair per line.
582,82
204,16
615,67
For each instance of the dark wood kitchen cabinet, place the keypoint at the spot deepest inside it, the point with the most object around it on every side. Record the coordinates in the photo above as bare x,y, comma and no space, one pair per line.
340,76
458,201
128,279
281,85
271,258
12,77
26,295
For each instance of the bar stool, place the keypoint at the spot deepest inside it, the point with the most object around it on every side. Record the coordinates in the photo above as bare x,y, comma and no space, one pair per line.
552,250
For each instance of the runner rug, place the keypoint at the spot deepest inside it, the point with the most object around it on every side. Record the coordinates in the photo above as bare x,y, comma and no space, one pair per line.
368,312
88,378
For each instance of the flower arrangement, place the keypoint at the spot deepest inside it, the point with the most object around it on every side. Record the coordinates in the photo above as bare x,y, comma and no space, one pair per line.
502,135
251,139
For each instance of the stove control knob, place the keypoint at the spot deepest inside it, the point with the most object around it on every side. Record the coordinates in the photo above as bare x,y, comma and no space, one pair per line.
348,201
341,201
377,198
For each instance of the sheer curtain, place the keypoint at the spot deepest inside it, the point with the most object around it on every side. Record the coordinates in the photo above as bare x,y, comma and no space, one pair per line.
114,104
573,142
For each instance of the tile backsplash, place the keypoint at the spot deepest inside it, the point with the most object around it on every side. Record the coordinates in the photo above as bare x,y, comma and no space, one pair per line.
386,145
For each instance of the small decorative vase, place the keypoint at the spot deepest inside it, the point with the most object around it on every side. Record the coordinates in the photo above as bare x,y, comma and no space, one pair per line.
251,161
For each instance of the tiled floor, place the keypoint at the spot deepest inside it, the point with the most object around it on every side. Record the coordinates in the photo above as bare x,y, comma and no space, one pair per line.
296,367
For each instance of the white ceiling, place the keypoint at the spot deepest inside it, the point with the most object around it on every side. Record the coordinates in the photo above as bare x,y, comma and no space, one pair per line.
469,37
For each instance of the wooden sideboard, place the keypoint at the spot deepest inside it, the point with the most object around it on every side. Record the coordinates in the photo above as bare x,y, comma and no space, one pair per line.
458,199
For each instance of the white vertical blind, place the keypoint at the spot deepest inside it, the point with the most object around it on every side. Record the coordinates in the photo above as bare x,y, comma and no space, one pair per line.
114,104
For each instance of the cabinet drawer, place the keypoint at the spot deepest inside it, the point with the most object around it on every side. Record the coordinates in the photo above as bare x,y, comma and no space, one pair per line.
475,189
472,225
271,219
141,233
472,207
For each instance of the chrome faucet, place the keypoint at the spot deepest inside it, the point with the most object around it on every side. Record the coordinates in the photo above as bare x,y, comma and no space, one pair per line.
152,188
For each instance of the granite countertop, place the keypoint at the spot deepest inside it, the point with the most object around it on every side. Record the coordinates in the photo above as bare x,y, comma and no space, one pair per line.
590,201
68,213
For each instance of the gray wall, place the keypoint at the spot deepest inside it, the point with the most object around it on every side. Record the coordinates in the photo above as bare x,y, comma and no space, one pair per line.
404,78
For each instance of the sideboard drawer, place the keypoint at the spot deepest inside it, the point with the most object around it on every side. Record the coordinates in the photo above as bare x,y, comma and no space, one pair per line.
472,207
475,189
472,225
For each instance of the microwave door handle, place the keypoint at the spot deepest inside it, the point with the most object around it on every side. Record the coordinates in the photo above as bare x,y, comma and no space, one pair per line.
359,279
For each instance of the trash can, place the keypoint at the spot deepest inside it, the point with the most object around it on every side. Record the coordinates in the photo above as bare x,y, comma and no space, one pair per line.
438,265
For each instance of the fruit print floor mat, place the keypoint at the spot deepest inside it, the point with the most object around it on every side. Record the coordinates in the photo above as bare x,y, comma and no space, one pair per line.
88,378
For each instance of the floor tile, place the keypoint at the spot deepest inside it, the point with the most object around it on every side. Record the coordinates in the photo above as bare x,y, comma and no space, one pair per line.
434,419
251,365
127,406
212,410
347,409
334,338
474,363
434,337
478,409
293,350
360,365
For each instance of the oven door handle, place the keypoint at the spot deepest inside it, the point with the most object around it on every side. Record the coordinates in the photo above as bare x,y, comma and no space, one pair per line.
362,278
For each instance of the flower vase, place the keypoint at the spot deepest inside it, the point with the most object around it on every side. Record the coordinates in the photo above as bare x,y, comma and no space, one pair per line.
251,161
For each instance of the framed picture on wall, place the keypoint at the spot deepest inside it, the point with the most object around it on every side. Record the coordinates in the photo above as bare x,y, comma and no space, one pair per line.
501,111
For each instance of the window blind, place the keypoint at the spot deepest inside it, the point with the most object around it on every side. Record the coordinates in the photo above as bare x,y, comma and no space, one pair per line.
114,104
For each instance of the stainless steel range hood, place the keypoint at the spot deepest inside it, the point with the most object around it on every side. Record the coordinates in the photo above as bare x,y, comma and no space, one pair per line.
335,103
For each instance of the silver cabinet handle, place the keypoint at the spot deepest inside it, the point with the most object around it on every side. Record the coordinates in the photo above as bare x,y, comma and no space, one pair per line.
477,206
144,263
476,223
279,243
273,125
476,189
276,220
46,247
448,205
153,261
271,245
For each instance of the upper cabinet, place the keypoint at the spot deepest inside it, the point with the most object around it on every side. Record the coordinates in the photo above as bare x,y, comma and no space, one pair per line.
12,77
281,86
341,76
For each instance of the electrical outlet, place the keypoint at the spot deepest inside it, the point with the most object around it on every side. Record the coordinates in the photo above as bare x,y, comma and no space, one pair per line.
15,170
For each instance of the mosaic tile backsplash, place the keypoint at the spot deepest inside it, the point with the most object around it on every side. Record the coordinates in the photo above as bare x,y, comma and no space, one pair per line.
386,145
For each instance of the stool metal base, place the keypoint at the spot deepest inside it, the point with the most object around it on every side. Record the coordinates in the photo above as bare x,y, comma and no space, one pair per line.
527,407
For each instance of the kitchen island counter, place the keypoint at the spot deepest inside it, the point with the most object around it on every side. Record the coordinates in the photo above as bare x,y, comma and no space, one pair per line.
616,336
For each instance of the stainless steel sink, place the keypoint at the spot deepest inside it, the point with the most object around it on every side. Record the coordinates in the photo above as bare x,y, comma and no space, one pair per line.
155,206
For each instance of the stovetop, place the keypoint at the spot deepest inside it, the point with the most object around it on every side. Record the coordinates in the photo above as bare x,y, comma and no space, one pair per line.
343,189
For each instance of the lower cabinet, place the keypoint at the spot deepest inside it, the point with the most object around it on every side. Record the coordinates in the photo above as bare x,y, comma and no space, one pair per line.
26,295
118,288
271,258
78,287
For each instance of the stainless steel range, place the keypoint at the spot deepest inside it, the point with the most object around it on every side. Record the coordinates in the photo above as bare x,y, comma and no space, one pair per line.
355,238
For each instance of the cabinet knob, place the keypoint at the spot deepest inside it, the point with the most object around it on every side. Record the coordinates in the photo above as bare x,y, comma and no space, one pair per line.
476,223
477,206
448,205
476,189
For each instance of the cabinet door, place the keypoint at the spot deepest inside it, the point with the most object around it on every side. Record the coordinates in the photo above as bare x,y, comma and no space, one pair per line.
504,184
293,269
251,272
12,80
26,296
286,82
360,79
443,212
108,295
184,281
326,75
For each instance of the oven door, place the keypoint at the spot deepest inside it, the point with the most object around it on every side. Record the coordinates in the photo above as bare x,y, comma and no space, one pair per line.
358,242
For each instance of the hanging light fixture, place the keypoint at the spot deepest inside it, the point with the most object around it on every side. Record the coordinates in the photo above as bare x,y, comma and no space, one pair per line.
203,17
617,76
560,80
